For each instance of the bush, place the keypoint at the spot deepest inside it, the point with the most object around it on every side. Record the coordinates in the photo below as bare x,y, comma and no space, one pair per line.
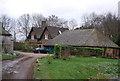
49,59
57,51
18,45
88,51
26,47
64,52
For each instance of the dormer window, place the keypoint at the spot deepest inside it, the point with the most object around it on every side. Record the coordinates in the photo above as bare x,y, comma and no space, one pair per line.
32,37
46,36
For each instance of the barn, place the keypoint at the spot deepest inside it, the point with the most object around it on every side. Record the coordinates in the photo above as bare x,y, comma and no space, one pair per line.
85,38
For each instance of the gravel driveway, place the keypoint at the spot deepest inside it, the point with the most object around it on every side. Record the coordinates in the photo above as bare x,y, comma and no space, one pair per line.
20,68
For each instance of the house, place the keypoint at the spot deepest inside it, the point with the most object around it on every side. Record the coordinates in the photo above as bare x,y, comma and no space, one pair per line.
40,35
6,42
83,38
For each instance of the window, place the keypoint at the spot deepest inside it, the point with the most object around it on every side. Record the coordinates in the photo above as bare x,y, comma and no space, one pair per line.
46,36
32,37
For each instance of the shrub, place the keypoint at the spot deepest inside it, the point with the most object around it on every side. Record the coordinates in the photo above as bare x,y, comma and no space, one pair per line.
57,51
18,45
88,51
85,51
26,47
65,52
49,59
62,52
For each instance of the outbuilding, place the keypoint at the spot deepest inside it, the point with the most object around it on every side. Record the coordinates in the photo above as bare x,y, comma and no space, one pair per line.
6,42
85,38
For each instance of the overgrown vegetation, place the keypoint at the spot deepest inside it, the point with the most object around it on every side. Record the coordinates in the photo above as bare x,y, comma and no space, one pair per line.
76,68
25,47
57,51
87,51
61,51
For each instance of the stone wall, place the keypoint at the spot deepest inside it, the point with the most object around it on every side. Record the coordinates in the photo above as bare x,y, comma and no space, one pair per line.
7,44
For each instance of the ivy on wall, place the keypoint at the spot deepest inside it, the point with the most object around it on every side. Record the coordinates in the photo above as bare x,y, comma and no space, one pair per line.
61,51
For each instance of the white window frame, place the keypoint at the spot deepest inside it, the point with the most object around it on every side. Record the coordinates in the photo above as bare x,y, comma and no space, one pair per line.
46,36
32,37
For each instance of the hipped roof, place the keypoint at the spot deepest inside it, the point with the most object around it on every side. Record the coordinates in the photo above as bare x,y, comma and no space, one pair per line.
84,37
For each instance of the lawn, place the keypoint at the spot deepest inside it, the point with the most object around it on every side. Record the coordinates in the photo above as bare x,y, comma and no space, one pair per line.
9,56
76,68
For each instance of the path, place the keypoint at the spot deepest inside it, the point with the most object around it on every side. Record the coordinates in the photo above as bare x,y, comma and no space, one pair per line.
20,68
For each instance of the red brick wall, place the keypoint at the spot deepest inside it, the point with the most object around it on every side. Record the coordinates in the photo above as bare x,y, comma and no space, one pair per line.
32,33
43,40
46,32
32,41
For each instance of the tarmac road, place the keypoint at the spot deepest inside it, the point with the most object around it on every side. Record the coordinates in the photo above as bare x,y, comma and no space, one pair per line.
20,68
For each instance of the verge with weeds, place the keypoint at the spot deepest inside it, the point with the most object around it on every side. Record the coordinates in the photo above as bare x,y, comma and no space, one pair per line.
76,68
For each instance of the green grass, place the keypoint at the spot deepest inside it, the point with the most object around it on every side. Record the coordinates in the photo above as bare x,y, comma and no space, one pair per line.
76,68
9,56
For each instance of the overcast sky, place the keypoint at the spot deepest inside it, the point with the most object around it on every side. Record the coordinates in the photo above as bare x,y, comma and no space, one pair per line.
67,9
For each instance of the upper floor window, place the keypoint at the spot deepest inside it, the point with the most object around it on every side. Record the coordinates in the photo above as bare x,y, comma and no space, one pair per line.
32,37
46,36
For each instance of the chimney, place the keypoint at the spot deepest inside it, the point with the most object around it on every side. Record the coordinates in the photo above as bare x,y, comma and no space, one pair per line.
44,24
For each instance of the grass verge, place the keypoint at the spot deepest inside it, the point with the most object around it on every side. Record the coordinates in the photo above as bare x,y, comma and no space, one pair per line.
4,57
76,68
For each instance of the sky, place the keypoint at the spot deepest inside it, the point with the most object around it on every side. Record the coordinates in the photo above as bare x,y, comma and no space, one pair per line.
68,9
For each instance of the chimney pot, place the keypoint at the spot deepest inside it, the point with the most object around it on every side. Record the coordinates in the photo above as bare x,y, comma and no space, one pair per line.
44,24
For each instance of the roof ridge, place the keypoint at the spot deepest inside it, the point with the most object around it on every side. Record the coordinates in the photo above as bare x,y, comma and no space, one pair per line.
90,37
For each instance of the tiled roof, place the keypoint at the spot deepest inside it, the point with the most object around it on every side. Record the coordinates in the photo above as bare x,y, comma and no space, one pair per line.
38,31
54,31
85,37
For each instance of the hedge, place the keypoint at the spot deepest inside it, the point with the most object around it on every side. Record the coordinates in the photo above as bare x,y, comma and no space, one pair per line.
88,51
57,51
24,46
61,50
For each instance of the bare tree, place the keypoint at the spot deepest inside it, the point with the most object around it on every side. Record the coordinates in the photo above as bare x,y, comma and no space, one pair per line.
37,19
93,20
6,22
54,20
110,25
107,24
118,41
24,24
72,24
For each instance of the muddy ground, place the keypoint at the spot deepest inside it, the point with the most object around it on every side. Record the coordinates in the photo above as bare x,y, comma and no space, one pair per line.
20,68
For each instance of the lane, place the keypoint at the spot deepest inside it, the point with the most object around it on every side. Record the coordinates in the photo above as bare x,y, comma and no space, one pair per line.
21,68
24,70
